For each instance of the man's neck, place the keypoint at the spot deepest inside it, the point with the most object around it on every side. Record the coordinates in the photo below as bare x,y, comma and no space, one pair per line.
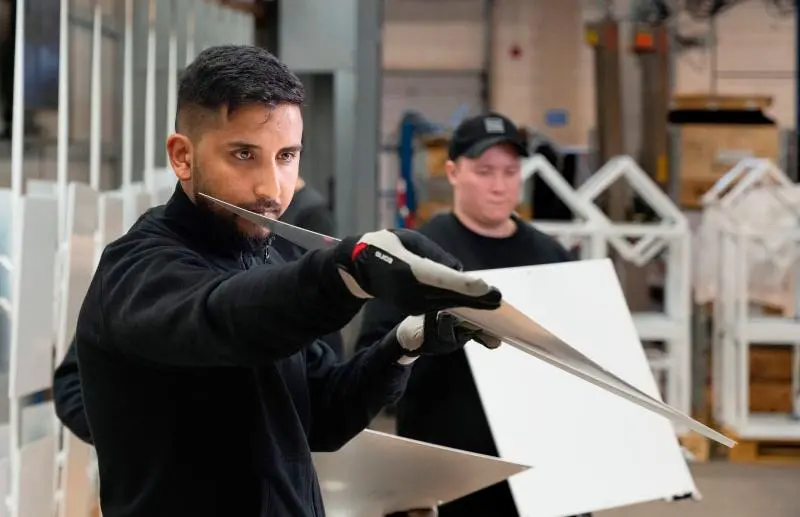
503,230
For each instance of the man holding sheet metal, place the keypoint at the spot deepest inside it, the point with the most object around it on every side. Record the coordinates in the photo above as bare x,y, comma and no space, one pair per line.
204,385
483,232
306,210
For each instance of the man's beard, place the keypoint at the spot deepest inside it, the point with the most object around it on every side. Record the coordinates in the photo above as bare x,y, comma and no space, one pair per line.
223,224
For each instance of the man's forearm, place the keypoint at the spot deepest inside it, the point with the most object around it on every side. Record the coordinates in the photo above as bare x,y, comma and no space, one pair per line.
168,307
347,396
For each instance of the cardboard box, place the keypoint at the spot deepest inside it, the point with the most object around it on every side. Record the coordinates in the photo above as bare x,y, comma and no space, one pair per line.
708,151
705,101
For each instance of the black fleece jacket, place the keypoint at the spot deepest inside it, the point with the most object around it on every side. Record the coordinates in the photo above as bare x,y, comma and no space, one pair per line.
68,397
204,386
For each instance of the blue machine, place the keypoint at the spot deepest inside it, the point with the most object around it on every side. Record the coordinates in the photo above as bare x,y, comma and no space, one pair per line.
413,125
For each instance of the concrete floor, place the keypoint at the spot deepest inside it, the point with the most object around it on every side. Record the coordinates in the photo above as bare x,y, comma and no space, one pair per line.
730,490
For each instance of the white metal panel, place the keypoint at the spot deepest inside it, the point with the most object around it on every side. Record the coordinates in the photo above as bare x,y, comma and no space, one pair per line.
80,60
82,223
37,468
436,96
33,258
111,219
5,485
440,35
640,459
355,482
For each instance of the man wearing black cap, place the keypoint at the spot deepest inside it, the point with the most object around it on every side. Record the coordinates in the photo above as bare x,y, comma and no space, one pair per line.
483,232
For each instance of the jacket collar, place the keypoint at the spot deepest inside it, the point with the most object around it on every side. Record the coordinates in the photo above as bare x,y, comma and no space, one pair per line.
205,231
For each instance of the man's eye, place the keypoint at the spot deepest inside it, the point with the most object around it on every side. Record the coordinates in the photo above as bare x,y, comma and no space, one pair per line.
287,157
243,155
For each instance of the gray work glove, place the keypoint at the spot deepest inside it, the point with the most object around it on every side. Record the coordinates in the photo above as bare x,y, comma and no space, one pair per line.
439,333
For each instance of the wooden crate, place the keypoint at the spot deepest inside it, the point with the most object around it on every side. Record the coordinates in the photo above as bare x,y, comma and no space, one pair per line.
771,363
778,452
771,396
708,151
705,101
692,191
770,383
698,446
771,379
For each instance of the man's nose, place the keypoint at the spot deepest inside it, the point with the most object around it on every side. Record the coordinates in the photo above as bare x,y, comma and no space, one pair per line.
268,185
497,184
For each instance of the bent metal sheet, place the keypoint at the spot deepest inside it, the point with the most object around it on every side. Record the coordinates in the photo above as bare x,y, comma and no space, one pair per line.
513,328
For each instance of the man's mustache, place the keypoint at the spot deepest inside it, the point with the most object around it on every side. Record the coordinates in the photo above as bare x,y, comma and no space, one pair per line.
264,206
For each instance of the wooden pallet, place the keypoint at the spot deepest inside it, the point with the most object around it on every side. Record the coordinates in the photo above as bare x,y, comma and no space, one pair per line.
784,452
698,446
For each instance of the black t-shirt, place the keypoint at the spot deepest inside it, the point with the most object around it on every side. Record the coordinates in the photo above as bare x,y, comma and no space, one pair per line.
526,247
441,404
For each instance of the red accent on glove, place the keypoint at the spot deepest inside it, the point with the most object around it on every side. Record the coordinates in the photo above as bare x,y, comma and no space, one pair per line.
358,248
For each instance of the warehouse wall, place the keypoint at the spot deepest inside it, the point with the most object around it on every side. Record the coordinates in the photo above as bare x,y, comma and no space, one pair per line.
552,70
428,35
755,54
551,73
433,59
555,70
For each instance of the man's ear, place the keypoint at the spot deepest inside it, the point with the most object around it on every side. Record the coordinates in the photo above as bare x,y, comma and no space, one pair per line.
179,151
450,170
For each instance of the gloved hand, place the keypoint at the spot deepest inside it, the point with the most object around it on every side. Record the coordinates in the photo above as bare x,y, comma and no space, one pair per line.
408,270
439,333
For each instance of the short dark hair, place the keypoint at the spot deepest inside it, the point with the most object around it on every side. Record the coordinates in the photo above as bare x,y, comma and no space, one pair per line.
232,76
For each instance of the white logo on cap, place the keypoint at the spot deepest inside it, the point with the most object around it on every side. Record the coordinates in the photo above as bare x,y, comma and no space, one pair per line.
494,125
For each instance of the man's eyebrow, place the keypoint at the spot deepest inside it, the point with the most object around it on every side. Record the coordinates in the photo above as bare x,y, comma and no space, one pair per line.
240,144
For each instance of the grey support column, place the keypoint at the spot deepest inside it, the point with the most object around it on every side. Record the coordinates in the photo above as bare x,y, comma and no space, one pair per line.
367,123
354,188
344,38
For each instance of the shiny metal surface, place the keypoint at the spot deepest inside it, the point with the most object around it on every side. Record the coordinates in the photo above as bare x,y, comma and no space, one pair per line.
378,473
518,330
78,260
299,236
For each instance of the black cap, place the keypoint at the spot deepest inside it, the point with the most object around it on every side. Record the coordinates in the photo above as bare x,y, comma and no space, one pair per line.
477,134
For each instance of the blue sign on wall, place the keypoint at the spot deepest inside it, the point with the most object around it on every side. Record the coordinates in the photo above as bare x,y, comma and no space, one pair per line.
556,117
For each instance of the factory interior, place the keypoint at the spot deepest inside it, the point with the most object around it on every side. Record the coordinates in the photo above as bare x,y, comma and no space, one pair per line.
662,155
